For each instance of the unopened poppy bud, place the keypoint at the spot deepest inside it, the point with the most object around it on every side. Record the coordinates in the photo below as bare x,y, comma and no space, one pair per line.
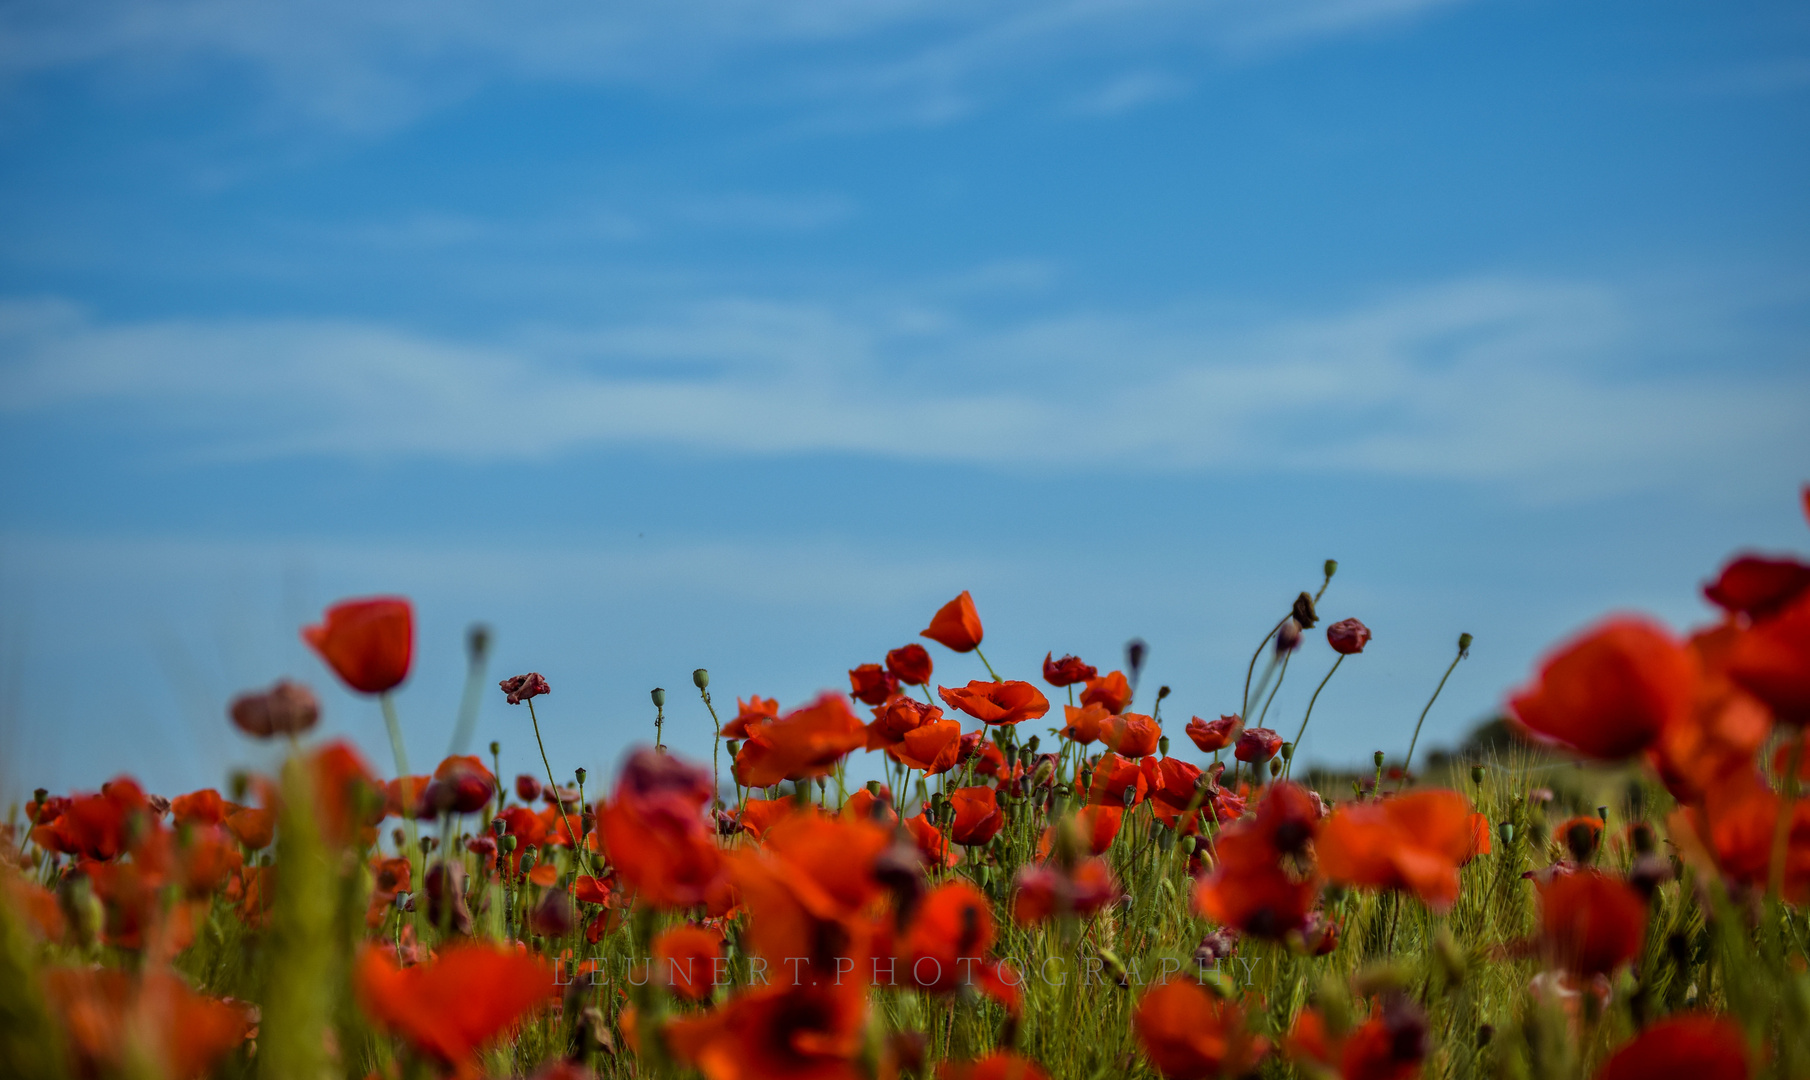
495,748
1032,744
700,678
1331,568
1288,751
1464,644
734,747
1275,767
477,642
508,843
579,774
428,844
659,696
1303,611
1477,774
529,858
1288,638
1045,773
40,796
1162,745
1379,758
1131,794
1188,845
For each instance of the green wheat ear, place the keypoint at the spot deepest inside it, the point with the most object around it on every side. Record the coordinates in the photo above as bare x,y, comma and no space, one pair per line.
299,988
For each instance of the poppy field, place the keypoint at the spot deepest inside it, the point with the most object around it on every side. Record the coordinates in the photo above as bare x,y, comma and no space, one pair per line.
1060,874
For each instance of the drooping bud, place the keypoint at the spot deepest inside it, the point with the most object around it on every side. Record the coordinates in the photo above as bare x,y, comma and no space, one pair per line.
1275,767
1303,611
700,678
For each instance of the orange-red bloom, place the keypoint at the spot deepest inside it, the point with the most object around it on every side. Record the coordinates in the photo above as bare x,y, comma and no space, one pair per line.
1771,661
116,1023
801,745
978,817
910,664
1084,722
204,807
749,715
1389,1046
1190,1035
1067,671
367,643
688,961
872,684
1131,735
1686,1046
946,945
1414,842
1045,891
1609,692
1259,884
449,1007
1109,691
1591,923
932,844
956,624
806,890
654,830
1757,586
1118,782
934,747
779,1031
996,702
1212,736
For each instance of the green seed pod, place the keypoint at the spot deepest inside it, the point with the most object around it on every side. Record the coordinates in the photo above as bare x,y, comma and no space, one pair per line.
700,678
1332,567
659,696
1477,775
1464,644
1288,751
1162,744
495,748
1506,831
580,774
1379,758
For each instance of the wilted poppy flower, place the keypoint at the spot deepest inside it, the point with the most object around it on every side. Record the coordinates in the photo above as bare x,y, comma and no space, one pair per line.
800,745
1109,691
1046,891
1190,1035
115,1023
1591,923
1131,735
978,817
750,714
910,664
1348,636
1083,722
1684,1046
438,1007
872,684
1609,692
956,624
1212,736
1771,661
367,643
1067,671
1757,586
287,708
999,1065
996,702
1414,842
1257,745
686,960
777,1031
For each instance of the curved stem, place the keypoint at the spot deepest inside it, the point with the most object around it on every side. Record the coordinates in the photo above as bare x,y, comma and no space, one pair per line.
716,745
1781,832
1273,689
1310,712
1244,703
1408,762
983,659
577,840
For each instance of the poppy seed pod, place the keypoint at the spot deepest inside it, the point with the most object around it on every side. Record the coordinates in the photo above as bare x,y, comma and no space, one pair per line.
700,678
1331,568
1464,644
579,775
659,696
1303,611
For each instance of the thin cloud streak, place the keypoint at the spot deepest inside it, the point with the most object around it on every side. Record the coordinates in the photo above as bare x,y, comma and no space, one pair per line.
1545,387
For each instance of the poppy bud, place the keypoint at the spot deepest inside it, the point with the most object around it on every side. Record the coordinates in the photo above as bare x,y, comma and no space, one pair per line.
495,748
1331,568
527,788
1477,775
1464,644
579,774
40,796
520,688
509,843
1188,845
477,642
1303,611
1288,751
1275,767
1131,794
1379,758
659,697
1348,636
1162,692
734,747
700,678
1288,638
1162,745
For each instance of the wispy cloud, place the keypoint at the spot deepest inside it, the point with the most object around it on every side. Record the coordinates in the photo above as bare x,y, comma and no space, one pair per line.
371,66
1554,388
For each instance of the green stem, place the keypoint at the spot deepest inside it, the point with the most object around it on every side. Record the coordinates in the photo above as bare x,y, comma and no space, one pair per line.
577,841
1409,761
1244,703
1272,696
1781,832
983,659
1310,712
716,746
395,726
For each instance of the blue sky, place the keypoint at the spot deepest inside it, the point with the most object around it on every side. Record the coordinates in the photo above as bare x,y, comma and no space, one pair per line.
744,335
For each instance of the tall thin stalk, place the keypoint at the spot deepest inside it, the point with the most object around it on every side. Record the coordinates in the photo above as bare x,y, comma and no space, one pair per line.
1464,650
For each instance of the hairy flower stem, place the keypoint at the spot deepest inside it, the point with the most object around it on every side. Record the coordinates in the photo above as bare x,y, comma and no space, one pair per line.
577,841
1289,769
983,659
1408,761
1781,831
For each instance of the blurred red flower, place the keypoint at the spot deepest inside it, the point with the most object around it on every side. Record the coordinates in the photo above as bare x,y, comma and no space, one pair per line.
1757,586
1771,661
1609,692
287,708
1684,1046
687,961
749,715
654,830
1130,735
1414,842
801,745
1590,923
776,1033
999,1065
1190,1035
367,643
450,1006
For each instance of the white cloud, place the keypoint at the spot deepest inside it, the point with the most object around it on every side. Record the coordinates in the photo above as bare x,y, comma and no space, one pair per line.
369,66
1551,388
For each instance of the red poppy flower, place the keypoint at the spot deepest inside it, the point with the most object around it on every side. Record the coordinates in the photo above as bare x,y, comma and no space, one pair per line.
527,787
1389,1046
999,1065
461,785
807,891
1771,661
864,805
1212,736
1257,886
910,664
204,807
996,702
1112,776
1609,692
956,624
931,843
252,827
872,684
519,688
801,745
759,815
1757,586
287,708
776,1032
1720,734
437,1005
1190,1035
978,817
687,961
118,1024
1175,790
1414,842
1591,923
1046,891
1685,1046
1731,830
1067,671
1582,835
367,643
1131,735
1257,745
587,889
1109,691
1084,722
1348,636
654,830
934,747
896,718
945,947
750,714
